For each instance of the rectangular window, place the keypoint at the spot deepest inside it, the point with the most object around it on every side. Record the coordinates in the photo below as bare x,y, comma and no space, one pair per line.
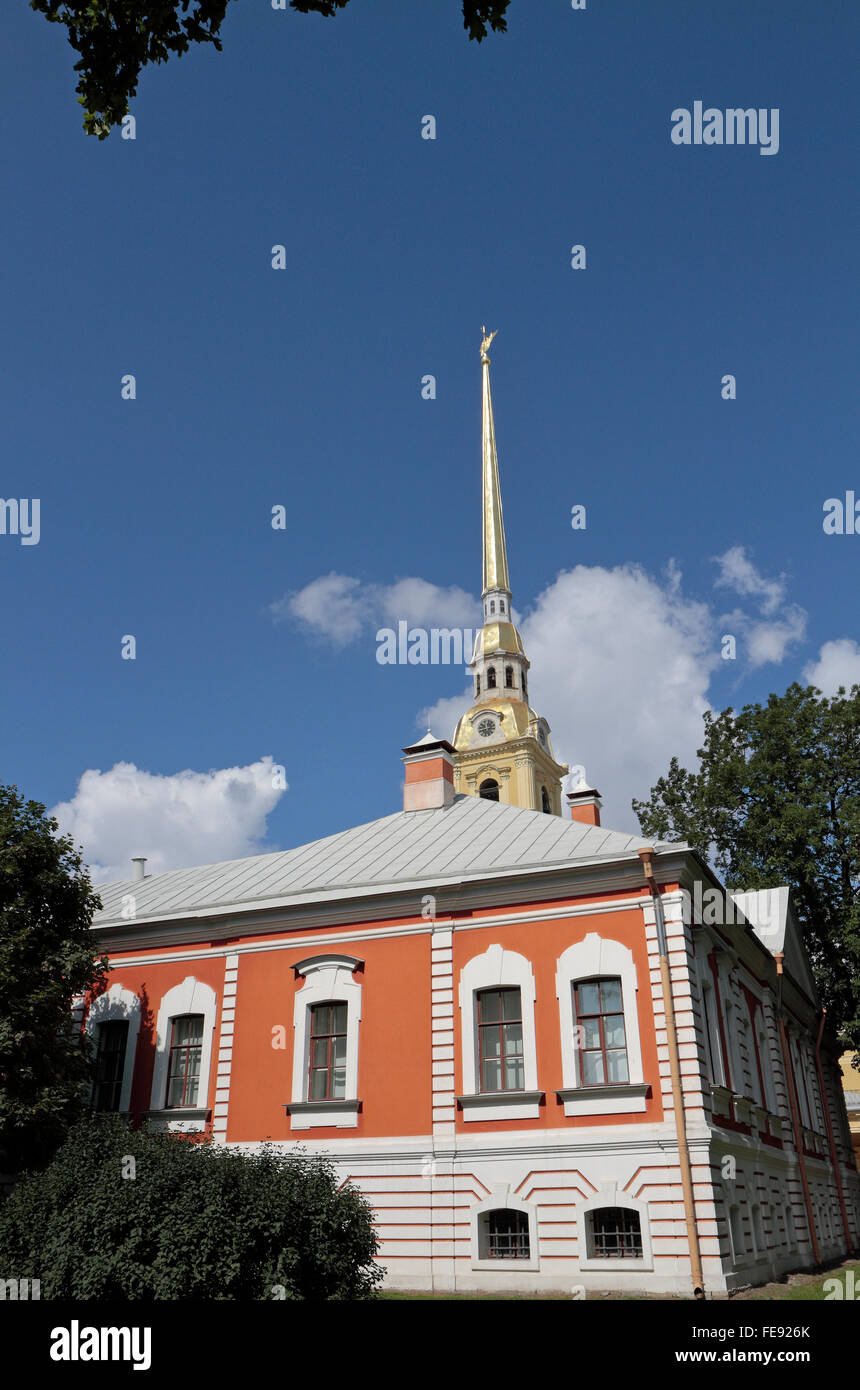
110,1064
600,1032
327,1068
500,1040
183,1069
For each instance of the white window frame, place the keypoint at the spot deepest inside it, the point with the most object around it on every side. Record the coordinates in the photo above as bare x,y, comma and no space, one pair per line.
599,957
609,1196
497,968
117,1005
503,1199
191,997
327,979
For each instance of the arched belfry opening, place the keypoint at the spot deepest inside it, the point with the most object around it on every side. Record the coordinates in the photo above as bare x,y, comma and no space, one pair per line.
489,789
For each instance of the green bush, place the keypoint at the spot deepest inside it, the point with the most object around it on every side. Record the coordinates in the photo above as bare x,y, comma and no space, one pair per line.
196,1221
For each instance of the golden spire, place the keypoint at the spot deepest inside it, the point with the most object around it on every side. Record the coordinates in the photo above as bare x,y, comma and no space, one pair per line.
495,554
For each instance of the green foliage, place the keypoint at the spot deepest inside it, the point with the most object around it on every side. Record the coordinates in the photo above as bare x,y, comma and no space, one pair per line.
117,38
197,1221
777,800
46,958
477,16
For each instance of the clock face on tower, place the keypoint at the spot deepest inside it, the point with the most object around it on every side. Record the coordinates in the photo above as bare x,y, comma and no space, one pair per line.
486,728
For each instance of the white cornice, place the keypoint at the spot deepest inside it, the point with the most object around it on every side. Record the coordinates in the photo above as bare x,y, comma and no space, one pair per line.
423,927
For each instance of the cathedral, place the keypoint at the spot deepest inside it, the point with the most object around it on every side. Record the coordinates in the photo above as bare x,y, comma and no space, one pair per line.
513,1029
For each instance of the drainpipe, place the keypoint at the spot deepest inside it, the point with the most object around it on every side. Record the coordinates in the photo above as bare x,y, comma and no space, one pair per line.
834,1157
792,1101
647,857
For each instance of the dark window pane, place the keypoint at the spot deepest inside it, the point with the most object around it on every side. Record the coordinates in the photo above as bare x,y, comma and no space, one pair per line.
592,1068
320,1020
491,1039
511,1004
588,999
490,1006
491,1076
514,1074
613,1029
590,1032
513,1039
610,996
111,1041
615,1234
506,1235
616,1063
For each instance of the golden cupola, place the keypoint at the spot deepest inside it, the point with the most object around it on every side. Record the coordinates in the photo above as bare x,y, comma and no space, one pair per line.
503,748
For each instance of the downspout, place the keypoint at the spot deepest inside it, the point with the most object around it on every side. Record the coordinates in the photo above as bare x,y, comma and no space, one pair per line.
647,857
834,1157
792,1101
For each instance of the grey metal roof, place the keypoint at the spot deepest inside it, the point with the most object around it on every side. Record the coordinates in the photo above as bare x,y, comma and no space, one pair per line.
471,837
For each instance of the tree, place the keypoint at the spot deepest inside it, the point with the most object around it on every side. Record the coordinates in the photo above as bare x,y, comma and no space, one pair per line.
116,41
127,1214
46,958
776,800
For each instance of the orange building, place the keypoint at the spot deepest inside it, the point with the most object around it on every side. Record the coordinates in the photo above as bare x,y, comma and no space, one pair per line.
549,1053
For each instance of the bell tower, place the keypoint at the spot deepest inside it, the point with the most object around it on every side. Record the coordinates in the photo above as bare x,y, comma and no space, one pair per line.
502,747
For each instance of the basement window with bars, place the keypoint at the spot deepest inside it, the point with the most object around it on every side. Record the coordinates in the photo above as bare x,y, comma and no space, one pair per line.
504,1235
615,1233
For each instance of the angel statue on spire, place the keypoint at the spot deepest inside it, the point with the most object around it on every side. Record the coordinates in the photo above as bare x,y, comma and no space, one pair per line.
485,343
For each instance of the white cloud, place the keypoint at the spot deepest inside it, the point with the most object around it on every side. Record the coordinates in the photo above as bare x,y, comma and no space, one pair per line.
341,609
621,664
769,642
766,638
838,663
179,820
737,572
332,606
426,605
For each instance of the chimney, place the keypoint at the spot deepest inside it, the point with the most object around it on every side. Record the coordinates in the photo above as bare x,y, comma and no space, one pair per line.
139,870
585,804
429,774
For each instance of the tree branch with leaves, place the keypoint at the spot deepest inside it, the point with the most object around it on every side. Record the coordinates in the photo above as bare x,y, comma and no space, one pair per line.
117,39
776,800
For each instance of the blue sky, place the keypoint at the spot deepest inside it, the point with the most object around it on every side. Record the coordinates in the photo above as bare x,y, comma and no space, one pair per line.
301,387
